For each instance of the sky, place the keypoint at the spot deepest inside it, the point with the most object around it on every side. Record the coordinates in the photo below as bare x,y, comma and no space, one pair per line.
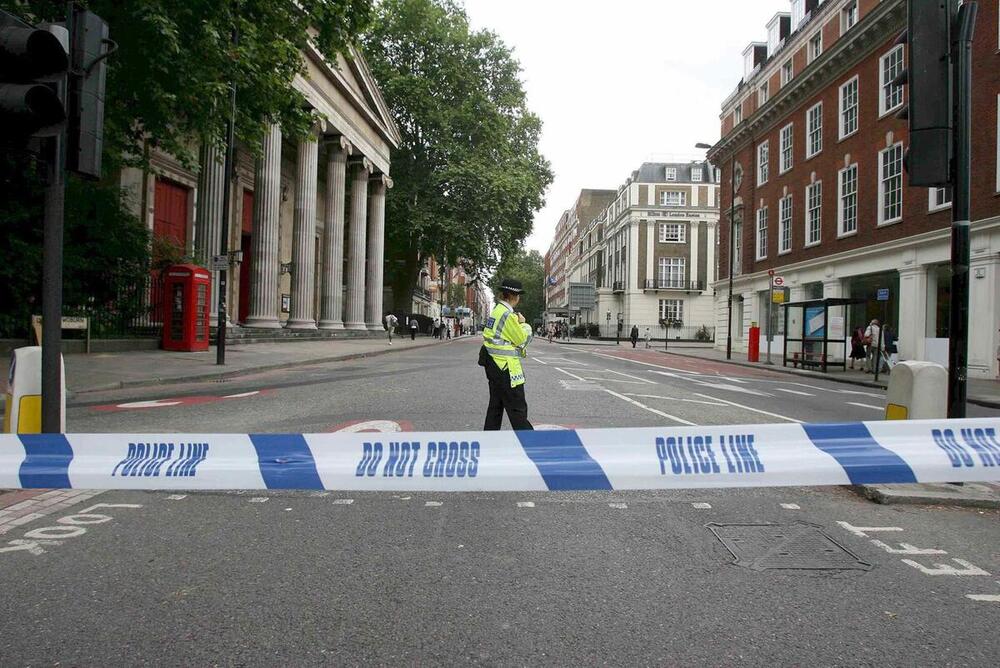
624,82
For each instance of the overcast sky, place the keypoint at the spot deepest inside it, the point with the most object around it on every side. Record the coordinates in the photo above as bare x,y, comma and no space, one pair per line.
618,83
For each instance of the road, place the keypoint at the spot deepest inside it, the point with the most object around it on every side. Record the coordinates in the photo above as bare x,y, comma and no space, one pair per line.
278,579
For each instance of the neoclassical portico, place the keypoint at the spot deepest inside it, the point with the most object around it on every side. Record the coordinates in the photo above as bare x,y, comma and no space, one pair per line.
312,210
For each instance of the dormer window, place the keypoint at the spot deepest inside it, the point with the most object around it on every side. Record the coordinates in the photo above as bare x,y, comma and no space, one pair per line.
696,174
798,13
671,174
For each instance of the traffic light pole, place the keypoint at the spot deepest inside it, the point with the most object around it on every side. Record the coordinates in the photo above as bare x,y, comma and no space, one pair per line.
52,283
958,347
227,186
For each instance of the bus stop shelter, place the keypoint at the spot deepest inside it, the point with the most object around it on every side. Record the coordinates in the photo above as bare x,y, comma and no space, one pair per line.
816,333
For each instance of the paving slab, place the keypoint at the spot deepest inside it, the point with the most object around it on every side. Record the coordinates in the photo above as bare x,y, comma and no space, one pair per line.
970,494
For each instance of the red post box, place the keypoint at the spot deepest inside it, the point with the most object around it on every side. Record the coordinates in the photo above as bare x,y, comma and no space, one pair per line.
753,344
186,293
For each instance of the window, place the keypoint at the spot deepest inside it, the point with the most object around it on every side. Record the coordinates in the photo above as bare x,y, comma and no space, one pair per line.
849,108
696,173
737,248
762,233
848,16
673,233
847,206
814,213
673,198
890,185
762,94
939,198
814,130
672,310
785,224
718,175
738,114
787,134
671,174
786,72
815,46
798,13
672,271
762,159
890,65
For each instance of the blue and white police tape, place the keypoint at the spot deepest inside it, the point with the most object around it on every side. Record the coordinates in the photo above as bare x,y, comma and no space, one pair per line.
586,459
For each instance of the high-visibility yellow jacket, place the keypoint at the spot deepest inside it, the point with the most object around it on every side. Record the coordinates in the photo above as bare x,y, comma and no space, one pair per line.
506,340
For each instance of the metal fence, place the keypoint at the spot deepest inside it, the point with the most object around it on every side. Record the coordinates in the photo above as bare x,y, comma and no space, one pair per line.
699,333
131,307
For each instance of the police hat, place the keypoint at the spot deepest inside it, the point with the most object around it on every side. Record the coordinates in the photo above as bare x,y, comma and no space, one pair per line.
511,286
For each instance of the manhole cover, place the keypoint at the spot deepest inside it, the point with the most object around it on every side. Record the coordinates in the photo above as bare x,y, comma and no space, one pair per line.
788,546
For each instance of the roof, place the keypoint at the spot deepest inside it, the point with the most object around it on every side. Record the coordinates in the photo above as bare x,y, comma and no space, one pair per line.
656,172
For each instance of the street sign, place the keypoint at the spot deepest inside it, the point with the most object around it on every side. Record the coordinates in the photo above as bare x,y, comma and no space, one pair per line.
778,296
778,281
220,262
883,294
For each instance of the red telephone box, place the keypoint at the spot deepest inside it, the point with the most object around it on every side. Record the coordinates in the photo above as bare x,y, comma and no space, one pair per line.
186,293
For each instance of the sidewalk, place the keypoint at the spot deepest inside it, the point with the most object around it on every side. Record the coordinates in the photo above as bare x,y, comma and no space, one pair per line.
981,392
113,371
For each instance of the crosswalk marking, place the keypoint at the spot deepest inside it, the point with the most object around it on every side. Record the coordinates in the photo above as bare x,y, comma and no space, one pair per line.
801,394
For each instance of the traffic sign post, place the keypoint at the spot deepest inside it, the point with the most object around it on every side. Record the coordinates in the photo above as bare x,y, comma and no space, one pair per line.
775,282
883,297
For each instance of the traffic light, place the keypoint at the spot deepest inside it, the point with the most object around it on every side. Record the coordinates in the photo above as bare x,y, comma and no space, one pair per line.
90,48
929,76
31,62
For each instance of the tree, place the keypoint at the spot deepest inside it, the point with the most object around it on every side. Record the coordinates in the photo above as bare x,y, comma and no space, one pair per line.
529,268
456,295
168,81
468,175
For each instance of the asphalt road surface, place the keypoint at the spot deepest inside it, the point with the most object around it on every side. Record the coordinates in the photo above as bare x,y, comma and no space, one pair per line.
282,579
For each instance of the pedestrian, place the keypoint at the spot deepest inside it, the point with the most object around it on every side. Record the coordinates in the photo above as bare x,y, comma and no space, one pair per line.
649,337
552,332
390,325
447,329
858,345
413,329
871,341
891,349
505,341
634,335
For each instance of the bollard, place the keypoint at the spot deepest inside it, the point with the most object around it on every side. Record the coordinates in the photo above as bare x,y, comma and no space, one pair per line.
23,407
917,391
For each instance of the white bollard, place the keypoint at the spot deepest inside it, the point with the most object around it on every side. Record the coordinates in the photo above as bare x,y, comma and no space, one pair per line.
23,408
917,391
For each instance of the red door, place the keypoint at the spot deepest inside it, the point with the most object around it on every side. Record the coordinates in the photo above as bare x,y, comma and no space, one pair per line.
170,223
246,246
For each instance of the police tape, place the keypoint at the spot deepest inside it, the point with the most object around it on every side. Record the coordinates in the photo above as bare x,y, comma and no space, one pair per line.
585,459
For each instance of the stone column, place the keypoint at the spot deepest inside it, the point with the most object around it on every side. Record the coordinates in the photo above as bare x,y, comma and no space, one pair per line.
376,251
208,230
304,237
332,316
355,312
265,261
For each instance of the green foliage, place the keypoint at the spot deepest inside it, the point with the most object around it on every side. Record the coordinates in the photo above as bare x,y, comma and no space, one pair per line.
468,176
168,82
529,268
456,295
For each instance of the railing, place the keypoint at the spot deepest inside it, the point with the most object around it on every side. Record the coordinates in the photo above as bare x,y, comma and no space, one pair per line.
130,307
421,293
689,333
618,286
661,284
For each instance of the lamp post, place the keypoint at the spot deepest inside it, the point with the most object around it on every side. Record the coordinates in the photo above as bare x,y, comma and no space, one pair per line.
732,218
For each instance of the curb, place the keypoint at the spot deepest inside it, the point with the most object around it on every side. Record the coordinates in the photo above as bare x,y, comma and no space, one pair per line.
986,403
923,498
236,373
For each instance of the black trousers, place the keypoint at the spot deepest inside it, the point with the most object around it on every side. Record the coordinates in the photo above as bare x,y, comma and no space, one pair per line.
503,397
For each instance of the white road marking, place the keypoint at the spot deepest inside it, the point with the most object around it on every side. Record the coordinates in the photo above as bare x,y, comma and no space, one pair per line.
343,502
690,401
241,395
862,532
801,394
874,408
748,408
628,375
647,408
525,504
177,497
906,548
258,499
155,403
947,569
432,504
701,506
790,506
619,506
320,494
571,375
734,388
989,598
616,380
540,361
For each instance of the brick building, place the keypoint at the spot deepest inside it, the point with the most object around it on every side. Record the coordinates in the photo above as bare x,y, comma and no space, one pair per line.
811,138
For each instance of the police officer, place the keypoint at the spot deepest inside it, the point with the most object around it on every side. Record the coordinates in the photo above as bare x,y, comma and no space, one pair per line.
505,341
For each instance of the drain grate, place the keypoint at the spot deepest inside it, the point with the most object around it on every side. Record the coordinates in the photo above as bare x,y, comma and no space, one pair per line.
785,546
